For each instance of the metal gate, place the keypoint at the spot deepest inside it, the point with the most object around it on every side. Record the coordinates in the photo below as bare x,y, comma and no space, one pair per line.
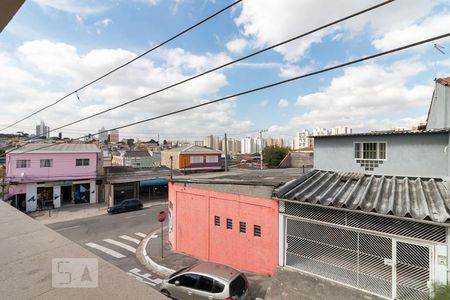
377,264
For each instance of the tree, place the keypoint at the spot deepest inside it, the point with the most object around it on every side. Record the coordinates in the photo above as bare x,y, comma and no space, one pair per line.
130,143
273,155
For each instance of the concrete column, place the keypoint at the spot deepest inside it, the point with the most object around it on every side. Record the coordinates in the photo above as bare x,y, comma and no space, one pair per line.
57,196
31,199
92,191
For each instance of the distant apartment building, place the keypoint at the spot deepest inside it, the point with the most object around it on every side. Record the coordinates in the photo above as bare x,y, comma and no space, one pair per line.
199,143
279,142
102,135
42,130
114,136
303,139
208,141
341,130
248,146
320,131
236,147
52,176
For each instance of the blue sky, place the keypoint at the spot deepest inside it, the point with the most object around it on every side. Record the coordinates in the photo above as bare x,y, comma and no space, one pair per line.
53,47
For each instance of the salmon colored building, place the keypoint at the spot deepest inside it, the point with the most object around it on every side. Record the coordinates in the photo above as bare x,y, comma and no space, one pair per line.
225,221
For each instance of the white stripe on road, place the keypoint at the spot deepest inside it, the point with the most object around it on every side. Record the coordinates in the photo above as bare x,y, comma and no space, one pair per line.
134,216
71,227
141,234
106,250
141,279
122,245
129,238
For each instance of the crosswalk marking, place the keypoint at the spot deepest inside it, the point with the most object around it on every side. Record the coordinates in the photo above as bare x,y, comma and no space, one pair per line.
122,245
129,238
141,234
146,276
106,250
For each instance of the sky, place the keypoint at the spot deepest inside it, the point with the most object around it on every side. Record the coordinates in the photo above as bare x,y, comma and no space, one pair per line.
52,47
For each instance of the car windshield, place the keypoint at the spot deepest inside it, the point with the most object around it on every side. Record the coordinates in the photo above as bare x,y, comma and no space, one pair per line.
178,272
238,286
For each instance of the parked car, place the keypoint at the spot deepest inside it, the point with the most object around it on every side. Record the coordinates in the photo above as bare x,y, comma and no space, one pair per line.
206,280
126,205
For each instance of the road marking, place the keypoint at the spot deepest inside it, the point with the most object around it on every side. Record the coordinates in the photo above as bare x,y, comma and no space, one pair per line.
134,216
71,227
154,236
146,276
141,234
122,245
106,250
141,279
129,238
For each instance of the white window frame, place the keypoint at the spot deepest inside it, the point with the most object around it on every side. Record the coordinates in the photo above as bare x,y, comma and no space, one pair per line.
361,150
196,159
212,158
83,162
43,163
23,163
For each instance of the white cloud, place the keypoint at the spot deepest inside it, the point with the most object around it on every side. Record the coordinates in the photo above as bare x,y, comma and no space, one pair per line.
264,103
362,93
266,22
283,103
42,71
237,45
430,27
74,6
289,70
104,23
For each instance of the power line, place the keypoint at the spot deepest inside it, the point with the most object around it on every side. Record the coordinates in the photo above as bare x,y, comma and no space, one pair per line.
125,64
338,66
225,65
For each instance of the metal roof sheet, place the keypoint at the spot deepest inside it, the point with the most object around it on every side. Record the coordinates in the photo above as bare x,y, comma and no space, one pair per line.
415,198
444,81
59,148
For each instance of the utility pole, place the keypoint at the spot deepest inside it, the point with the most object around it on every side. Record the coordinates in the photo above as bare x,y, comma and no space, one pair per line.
261,145
226,153
171,167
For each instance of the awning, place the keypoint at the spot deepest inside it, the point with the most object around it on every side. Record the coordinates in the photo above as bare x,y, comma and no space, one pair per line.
153,182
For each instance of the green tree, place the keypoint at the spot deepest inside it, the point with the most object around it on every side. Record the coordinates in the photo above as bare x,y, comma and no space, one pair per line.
273,155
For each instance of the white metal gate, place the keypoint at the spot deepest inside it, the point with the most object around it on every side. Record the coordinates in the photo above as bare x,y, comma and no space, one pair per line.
377,264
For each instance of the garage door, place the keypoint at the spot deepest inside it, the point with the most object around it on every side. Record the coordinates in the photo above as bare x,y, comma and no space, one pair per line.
361,260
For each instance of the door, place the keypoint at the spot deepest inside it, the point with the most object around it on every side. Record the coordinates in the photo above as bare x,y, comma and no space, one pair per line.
204,289
413,271
186,289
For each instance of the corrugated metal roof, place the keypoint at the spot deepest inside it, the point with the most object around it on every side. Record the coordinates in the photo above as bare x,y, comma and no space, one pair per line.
414,198
66,148
444,81
388,132
137,153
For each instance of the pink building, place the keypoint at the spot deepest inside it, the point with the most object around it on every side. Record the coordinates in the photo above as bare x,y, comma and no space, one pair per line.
233,223
52,176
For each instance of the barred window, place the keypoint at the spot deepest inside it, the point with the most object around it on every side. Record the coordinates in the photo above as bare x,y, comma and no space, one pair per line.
370,151
82,162
257,230
229,224
23,163
46,163
216,220
242,227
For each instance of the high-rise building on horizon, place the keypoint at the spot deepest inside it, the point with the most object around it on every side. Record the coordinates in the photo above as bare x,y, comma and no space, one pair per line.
114,136
341,130
42,130
102,135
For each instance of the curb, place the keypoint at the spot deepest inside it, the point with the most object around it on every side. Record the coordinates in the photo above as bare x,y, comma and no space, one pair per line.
145,260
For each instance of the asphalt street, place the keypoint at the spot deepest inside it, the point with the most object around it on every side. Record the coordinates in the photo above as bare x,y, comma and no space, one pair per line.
115,238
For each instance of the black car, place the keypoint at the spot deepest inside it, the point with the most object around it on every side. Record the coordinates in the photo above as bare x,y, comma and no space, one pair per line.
126,205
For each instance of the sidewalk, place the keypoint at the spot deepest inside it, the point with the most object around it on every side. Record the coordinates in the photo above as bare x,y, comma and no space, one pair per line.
77,211
149,254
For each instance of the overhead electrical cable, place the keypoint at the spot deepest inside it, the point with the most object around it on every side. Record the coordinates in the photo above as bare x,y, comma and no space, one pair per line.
324,70
75,92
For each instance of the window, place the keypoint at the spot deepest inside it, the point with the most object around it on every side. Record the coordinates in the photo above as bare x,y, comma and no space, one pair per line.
216,220
229,224
196,159
189,280
212,159
46,163
205,284
82,162
370,151
257,230
218,287
238,287
242,227
23,163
